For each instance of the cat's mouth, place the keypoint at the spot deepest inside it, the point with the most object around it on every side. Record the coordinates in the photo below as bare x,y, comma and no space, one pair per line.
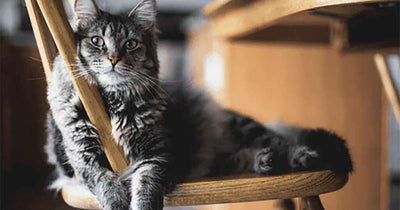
111,77
113,74
113,70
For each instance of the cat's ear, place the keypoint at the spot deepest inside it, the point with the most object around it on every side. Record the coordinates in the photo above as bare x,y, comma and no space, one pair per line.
85,11
145,14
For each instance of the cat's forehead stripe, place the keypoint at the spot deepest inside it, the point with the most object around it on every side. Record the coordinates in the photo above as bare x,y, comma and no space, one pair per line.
122,31
116,30
120,27
111,25
108,31
103,31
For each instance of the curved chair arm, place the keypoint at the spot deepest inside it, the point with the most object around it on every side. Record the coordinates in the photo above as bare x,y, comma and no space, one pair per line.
231,189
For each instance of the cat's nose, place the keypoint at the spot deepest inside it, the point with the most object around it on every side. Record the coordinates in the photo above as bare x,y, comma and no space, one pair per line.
114,59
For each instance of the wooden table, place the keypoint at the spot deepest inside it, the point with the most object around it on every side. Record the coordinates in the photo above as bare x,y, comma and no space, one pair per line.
341,23
345,25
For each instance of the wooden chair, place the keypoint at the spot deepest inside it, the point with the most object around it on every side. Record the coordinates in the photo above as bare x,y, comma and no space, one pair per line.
52,31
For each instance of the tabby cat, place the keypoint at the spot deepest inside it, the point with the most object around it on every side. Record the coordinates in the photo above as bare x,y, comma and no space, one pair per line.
169,132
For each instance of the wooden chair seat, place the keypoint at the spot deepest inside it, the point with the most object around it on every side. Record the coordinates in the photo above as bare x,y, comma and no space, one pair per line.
230,189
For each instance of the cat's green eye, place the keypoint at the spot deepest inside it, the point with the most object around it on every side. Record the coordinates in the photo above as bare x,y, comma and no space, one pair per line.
97,41
131,44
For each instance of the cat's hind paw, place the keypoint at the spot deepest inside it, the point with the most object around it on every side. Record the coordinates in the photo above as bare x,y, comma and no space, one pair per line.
322,150
269,162
304,158
264,162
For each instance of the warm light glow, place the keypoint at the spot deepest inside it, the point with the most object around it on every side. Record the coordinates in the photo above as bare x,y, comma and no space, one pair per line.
214,72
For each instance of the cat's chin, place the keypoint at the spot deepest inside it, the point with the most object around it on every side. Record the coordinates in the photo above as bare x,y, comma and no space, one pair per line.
111,78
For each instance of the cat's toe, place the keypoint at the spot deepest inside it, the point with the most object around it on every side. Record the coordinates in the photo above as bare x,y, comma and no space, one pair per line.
305,158
331,149
264,162
268,162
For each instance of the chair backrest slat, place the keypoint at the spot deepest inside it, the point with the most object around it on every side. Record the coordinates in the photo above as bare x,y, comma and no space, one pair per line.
57,22
47,47
388,84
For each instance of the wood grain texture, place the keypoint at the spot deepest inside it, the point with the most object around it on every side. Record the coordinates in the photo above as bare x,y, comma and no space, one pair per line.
252,188
44,41
55,17
232,189
243,18
388,84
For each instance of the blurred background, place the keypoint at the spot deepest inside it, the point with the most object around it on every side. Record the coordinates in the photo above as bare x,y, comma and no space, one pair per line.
291,74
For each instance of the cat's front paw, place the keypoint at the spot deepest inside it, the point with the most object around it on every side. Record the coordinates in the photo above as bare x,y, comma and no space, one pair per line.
117,200
113,195
119,206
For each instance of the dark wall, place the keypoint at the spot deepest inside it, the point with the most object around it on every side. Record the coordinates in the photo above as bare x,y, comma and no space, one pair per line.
24,172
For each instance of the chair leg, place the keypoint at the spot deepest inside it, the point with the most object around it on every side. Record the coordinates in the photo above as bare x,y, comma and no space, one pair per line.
311,203
285,204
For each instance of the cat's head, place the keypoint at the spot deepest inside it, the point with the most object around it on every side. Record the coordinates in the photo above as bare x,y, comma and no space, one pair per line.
116,48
